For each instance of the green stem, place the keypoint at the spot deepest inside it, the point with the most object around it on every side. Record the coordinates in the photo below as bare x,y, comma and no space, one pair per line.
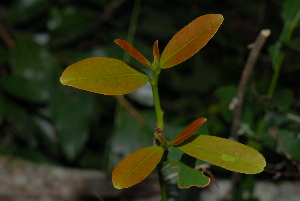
274,82
162,183
158,133
284,37
158,110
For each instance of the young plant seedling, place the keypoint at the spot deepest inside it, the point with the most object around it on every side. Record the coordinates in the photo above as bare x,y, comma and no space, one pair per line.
114,77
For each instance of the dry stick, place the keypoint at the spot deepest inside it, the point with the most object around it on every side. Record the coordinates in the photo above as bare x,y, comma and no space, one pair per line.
110,9
97,194
6,37
274,133
131,109
237,101
284,174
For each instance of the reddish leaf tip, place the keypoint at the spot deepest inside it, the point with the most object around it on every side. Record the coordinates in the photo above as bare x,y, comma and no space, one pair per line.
133,52
156,53
189,131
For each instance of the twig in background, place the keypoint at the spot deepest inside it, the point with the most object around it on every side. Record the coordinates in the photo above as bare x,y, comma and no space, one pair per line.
110,9
278,174
131,109
237,101
97,194
6,37
293,117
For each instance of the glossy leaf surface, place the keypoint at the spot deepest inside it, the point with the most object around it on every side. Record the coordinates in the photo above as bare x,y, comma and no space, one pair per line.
136,166
188,176
189,131
225,153
133,52
104,75
190,39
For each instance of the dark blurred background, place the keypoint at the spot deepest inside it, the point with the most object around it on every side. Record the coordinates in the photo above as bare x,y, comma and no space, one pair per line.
47,123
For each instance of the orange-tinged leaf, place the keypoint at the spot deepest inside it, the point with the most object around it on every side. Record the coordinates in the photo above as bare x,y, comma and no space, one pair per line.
133,52
225,153
104,75
190,39
156,52
136,166
189,131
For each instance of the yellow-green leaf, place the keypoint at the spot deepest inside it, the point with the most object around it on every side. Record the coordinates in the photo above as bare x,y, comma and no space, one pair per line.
190,39
188,131
225,153
136,166
104,76
133,52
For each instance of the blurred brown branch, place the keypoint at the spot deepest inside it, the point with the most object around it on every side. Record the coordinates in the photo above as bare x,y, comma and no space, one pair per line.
6,37
110,9
237,101
22,180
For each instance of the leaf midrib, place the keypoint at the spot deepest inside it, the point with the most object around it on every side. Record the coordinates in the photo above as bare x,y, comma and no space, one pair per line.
104,76
226,154
138,166
187,43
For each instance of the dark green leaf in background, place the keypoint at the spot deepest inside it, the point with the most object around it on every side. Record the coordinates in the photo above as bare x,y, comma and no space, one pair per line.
226,95
24,126
24,89
291,12
72,118
69,23
3,56
47,136
290,16
295,43
73,124
283,99
188,176
127,129
72,111
291,143
1,109
31,61
24,10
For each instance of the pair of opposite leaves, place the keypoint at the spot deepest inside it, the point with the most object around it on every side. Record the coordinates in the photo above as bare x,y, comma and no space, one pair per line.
114,77
222,152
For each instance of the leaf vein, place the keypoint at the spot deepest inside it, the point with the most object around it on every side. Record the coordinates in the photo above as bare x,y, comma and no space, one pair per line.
223,153
187,43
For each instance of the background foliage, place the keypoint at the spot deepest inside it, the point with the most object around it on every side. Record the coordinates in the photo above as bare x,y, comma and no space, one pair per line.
44,121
